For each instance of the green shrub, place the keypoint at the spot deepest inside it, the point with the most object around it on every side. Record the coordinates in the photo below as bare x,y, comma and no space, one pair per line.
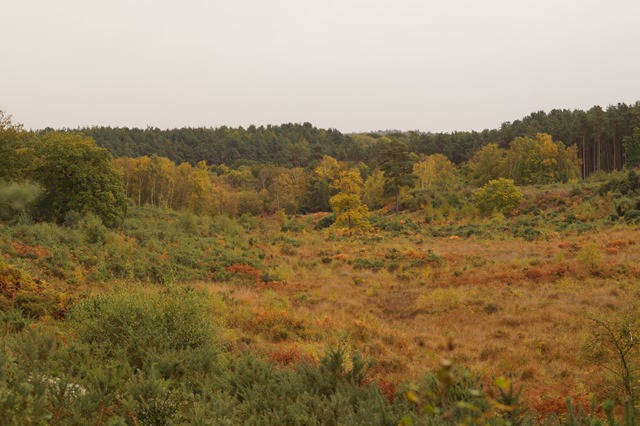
140,324
632,216
500,195
325,222
93,229
627,185
293,225
372,263
226,226
248,222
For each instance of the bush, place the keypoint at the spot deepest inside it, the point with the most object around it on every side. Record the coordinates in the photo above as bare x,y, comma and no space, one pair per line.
499,195
294,226
325,222
624,185
224,225
632,216
142,325
32,299
93,229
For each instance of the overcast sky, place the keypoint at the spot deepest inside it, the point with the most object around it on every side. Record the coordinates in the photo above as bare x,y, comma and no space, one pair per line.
354,65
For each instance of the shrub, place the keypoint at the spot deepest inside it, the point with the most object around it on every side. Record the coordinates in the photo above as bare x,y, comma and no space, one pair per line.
93,229
33,299
499,195
141,325
372,263
293,225
224,225
632,216
325,222
590,256
613,347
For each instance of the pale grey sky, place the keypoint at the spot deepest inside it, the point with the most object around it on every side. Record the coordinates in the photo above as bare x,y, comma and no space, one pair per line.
354,65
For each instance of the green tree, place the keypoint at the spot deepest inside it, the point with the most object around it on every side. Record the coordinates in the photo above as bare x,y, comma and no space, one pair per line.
487,164
76,175
518,160
500,195
632,149
569,164
397,167
319,194
373,194
285,192
15,158
541,165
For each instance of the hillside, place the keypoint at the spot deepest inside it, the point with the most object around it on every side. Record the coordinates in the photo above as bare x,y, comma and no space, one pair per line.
406,290
504,295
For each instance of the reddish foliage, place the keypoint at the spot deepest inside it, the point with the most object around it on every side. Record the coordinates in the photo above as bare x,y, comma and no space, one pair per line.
33,252
245,270
289,357
533,274
550,406
271,285
319,215
413,254
13,280
619,244
387,389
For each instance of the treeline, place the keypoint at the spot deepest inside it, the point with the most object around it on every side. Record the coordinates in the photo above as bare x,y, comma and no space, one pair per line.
597,133
289,145
78,177
257,188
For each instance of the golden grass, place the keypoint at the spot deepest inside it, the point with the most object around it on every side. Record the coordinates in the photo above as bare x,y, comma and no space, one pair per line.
495,307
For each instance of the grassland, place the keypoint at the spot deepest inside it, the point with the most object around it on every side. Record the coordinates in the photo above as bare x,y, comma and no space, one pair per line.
496,295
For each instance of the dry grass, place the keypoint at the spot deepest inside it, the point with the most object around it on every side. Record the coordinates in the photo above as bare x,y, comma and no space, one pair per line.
495,307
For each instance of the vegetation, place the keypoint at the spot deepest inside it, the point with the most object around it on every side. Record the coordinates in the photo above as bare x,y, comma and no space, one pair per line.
76,177
597,134
500,195
357,281
631,145
346,204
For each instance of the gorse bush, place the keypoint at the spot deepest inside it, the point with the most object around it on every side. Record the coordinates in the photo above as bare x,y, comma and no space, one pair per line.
142,324
152,246
151,355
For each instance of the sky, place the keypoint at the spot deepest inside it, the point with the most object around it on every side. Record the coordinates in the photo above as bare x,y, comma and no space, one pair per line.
352,65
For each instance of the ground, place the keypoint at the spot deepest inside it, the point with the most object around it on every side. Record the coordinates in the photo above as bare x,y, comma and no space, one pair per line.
497,307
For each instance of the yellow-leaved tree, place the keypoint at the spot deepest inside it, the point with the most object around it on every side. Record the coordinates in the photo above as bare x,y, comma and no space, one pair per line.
437,172
347,203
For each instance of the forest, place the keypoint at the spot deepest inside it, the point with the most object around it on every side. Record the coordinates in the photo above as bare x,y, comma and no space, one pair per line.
295,275
597,134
